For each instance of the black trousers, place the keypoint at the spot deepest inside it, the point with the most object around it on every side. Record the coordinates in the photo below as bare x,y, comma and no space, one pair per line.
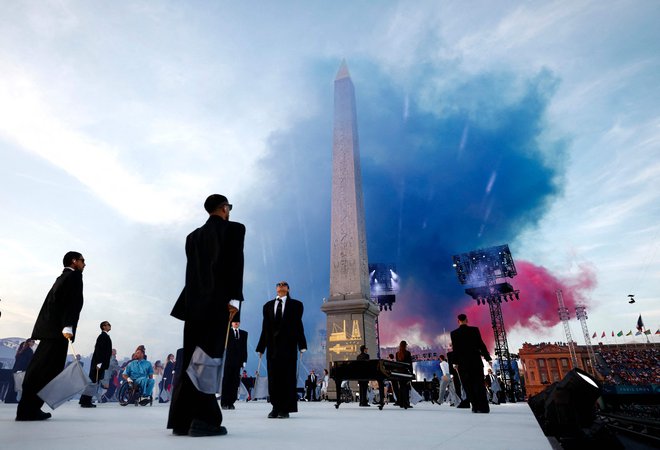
230,380
187,402
364,397
95,375
472,378
404,394
282,381
47,363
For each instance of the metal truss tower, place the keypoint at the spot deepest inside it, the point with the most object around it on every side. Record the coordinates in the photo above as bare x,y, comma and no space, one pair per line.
502,348
564,316
581,314
481,269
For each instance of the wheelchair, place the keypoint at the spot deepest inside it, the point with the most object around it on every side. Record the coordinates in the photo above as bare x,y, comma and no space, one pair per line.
129,393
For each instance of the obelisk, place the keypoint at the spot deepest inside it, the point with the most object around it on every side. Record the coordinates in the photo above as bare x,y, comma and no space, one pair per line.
351,315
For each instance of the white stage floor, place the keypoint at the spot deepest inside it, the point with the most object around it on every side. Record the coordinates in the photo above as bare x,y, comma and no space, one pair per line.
317,426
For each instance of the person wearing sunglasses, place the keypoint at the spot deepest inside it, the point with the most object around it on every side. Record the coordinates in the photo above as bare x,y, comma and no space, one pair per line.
210,298
282,337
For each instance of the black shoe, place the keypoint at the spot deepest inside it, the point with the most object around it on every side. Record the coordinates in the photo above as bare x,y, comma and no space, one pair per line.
39,415
283,415
180,431
199,428
463,405
87,405
272,414
481,411
224,406
365,404
231,407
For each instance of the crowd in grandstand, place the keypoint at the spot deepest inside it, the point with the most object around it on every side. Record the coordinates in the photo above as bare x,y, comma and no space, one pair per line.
631,366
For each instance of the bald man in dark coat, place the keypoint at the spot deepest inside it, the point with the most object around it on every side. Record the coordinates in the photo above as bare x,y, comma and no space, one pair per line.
213,292
100,363
57,322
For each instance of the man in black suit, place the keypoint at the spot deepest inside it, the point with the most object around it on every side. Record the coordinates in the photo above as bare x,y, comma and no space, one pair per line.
363,384
468,350
100,363
310,386
283,335
235,359
212,294
55,325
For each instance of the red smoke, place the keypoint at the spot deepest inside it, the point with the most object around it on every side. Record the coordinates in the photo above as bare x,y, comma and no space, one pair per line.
418,322
537,307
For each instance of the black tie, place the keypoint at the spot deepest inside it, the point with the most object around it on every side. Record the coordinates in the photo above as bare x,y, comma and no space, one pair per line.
278,312
236,332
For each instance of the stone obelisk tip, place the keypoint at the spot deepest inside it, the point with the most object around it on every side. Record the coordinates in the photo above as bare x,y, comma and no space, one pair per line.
343,71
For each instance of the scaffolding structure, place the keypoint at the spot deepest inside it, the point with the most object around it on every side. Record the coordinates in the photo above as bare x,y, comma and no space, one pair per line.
481,269
564,316
581,314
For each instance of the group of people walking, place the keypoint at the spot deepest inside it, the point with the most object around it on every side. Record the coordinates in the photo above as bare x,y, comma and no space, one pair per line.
209,305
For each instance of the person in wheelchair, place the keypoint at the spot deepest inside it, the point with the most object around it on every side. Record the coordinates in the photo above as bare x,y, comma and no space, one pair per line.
139,372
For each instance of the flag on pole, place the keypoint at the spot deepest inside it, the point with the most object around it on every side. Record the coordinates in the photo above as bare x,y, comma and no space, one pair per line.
603,335
595,334
638,333
647,332
620,333
629,333
657,331
640,324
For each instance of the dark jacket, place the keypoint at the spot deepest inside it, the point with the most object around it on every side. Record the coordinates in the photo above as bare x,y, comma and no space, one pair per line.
214,273
281,343
468,346
237,348
61,307
102,354
23,359
362,356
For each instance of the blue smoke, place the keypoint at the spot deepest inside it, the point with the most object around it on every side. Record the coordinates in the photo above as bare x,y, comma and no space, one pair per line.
443,173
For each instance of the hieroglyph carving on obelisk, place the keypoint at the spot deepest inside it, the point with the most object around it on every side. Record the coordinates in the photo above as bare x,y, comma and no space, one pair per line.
349,301
349,269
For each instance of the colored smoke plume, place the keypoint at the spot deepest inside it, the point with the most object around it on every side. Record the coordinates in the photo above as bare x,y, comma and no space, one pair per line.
422,324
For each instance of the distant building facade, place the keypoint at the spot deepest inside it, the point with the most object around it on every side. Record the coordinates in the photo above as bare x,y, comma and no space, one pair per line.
546,363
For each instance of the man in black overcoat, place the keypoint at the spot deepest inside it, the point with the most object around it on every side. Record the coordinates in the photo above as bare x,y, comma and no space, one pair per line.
100,363
363,384
56,323
468,350
235,359
213,292
282,337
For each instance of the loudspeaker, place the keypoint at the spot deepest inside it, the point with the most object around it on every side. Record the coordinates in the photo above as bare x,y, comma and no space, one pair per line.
565,408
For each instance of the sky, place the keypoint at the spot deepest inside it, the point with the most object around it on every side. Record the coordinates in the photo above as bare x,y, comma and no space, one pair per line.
532,124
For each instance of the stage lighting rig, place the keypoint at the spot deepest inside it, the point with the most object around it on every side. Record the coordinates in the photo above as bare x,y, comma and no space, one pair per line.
384,284
484,272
